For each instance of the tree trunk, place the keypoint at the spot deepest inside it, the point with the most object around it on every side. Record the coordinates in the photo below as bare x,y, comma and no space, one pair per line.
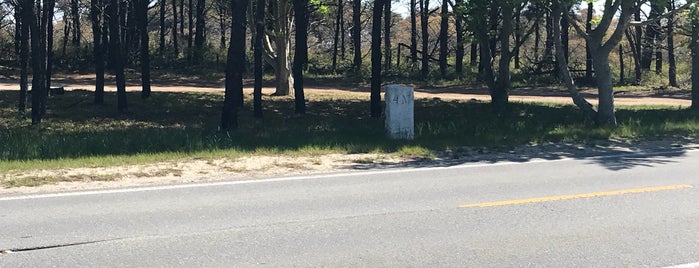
47,44
75,17
18,26
235,66
424,25
548,43
694,46
343,34
105,34
98,50
459,21
49,49
672,65
336,37
443,35
537,41
413,32
652,34
588,29
578,99
376,59
201,25
605,88
658,61
474,54
300,53
123,25
277,46
257,57
633,44
142,14
638,72
388,16
500,93
621,65
222,26
66,36
486,57
190,29
117,56
38,51
565,36
518,38
356,33
181,18
23,20
174,28
162,27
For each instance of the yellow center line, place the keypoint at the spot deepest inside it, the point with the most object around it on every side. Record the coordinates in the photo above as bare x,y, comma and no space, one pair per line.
576,196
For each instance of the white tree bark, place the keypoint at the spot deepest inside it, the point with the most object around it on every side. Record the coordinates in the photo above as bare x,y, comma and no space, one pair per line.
277,46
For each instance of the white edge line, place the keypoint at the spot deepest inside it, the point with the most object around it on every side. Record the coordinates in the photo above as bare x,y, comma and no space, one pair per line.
686,265
313,177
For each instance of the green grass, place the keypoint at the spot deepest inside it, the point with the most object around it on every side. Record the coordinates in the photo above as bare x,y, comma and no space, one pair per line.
169,126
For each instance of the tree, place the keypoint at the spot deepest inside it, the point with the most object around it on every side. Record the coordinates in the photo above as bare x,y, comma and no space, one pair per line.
22,8
142,14
653,33
483,16
235,67
96,17
413,32
174,27
116,54
600,50
357,34
376,58
277,44
257,57
633,37
75,17
694,46
672,65
47,26
162,26
201,25
459,24
339,21
388,22
39,19
190,29
300,53
588,29
424,24
443,36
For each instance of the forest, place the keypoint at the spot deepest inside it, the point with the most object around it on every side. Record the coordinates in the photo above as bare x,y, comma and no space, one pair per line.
521,35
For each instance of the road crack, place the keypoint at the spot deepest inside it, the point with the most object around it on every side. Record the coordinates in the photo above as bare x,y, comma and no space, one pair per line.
17,250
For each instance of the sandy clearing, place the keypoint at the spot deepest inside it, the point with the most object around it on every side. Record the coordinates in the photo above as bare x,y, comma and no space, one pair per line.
627,98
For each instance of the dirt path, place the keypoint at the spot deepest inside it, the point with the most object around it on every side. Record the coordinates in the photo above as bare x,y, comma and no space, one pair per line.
539,94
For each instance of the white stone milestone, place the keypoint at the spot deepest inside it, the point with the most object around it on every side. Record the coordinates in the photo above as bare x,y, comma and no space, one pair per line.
399,112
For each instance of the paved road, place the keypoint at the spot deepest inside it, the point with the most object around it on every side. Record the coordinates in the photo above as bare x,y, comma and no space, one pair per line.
620,211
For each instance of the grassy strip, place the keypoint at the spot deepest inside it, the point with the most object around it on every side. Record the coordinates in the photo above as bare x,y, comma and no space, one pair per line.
172,126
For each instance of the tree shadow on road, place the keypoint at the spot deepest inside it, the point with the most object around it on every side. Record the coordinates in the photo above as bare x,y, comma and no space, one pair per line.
612,155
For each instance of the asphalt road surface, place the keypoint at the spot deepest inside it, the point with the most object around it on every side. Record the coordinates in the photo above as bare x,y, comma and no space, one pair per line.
615,211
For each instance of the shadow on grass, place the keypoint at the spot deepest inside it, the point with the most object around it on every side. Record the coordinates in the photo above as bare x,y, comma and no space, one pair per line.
460,132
